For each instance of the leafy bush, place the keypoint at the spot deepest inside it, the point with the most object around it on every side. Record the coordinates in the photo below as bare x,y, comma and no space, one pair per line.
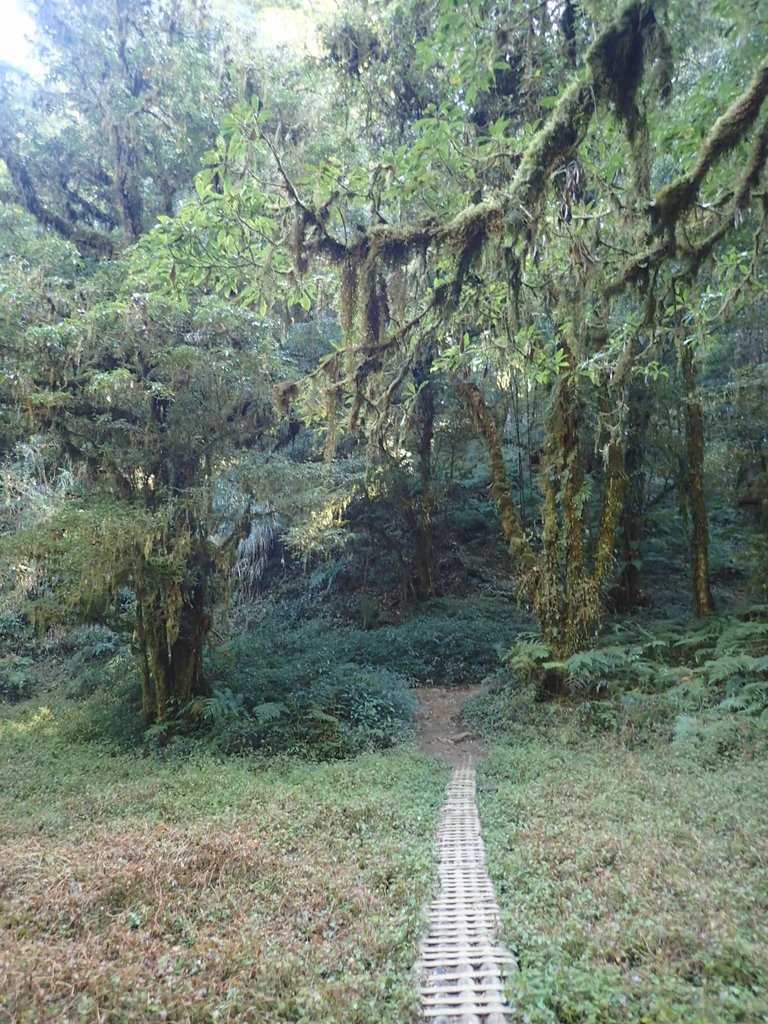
108,707
12,627
91,643
705,687
98,660
306,706
17,636
449,641
18,677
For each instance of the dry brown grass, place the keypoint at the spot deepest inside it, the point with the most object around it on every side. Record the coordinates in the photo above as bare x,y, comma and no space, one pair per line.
300,902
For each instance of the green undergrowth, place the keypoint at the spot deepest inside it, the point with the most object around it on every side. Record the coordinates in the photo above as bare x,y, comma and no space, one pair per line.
445,641
322,688
704,686
331,689
197,889
18,670
633,883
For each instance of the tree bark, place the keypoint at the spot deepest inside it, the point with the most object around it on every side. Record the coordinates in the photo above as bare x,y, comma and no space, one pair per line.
703,603
425,548
511,525
170,633
565,453
632,524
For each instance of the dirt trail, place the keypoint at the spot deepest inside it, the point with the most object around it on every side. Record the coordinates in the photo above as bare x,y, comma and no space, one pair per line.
441,729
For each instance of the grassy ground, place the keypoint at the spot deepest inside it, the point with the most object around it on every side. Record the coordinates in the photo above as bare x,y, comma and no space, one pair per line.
633,883
134,889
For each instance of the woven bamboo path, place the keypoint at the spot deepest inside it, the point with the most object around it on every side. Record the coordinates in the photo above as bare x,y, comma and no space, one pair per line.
461,966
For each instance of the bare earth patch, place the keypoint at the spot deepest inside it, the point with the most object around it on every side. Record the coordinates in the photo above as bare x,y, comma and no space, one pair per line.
442,731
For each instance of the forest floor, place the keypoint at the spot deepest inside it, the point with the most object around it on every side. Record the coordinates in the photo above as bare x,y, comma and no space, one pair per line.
441,729
140,889
144,888
632,882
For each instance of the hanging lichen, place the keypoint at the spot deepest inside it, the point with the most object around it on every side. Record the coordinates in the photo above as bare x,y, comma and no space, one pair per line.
370,312
284,395
348,297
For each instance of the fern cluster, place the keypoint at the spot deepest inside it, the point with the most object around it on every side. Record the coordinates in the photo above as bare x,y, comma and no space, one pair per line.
274,699
701,685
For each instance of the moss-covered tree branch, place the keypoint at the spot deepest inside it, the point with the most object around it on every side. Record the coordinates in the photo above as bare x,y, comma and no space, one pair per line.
727,132
501,490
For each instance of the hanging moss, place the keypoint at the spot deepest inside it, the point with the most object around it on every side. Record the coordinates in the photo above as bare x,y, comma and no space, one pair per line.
348,296
284,394
615,59
368,305
752,172
394,243
727,132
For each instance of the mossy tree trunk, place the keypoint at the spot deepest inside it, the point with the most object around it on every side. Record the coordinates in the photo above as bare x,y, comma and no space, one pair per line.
511,525
425,547
565,581
632,528
563,460
703,603
171,629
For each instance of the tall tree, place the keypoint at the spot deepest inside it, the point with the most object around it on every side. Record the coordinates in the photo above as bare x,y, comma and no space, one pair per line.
160,407
583,225
130,96
154,402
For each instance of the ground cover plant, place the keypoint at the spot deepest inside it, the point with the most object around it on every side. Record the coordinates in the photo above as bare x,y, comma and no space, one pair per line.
136,888
702,684
633,883
329,688
329,366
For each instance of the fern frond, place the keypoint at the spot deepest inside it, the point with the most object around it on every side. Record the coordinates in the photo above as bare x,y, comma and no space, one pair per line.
705,635
529,650
718,670
691,694
269,711
736,703
750,636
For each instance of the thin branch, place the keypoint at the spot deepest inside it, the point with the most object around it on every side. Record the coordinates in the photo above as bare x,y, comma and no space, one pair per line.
326,242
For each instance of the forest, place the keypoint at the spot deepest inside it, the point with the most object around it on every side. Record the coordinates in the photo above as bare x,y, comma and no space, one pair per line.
381,382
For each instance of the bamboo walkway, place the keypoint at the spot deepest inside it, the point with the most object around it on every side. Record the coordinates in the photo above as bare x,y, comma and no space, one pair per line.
461,966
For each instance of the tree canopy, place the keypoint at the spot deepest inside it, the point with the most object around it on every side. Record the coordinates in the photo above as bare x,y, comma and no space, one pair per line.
530,224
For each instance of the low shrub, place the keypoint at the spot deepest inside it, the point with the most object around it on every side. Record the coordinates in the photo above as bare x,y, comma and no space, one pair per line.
106,703
18,677
285,696
449,641
90,643
705,687
14,631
